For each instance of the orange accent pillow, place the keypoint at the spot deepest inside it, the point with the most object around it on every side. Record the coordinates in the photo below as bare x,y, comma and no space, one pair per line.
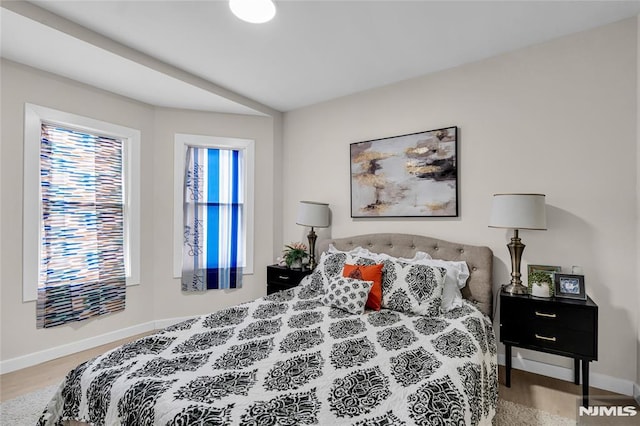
368,273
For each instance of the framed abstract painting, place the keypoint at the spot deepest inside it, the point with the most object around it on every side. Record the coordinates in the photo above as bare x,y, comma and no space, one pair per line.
414,175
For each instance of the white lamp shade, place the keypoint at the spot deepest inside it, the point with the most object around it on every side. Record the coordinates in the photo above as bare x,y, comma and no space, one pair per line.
518,211
253,11
313,214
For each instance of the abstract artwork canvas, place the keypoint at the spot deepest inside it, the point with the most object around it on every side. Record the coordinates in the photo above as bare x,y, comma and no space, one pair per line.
413,175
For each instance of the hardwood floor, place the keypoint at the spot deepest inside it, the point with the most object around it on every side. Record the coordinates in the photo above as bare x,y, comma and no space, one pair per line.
51,372
548,394
532,390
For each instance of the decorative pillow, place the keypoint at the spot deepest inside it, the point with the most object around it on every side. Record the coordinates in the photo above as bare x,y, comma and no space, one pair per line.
331,266
368,273
454,281
348,294
412,287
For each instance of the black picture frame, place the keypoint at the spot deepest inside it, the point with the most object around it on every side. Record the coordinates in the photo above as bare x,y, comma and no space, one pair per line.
412,175
570,286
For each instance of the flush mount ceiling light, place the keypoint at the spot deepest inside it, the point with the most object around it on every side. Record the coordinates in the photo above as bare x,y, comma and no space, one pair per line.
254,11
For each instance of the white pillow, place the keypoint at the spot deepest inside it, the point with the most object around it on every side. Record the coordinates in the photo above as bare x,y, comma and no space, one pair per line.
356,251
462,270
412,287
417,257
454,281
348,294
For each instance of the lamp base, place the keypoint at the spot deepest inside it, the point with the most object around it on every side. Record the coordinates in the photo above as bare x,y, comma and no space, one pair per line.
515,289
312,249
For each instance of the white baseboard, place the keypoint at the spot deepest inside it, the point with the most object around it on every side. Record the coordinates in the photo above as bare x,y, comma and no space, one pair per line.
36,358
596,380
164,323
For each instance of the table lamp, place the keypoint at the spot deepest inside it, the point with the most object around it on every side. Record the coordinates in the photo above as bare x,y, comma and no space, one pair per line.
517,211
315,215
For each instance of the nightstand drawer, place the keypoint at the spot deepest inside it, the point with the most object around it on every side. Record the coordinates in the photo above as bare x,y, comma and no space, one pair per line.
550,338
550,313
280,275
282,278
570,317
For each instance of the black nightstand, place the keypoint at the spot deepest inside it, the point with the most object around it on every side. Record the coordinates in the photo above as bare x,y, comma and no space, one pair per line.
557,326
282,278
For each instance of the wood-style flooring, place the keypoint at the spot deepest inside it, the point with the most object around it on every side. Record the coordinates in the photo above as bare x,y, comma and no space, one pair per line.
554,396
48,373
548,394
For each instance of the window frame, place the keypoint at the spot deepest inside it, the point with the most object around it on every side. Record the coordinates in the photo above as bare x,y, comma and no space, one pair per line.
181,142
34,116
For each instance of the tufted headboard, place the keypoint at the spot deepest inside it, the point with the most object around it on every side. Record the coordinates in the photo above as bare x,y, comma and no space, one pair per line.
479,259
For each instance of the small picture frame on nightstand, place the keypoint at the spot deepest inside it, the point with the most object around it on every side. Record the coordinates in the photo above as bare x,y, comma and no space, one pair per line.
533,273
570,286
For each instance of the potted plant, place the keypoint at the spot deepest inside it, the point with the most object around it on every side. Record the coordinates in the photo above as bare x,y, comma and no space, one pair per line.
541,284
293,255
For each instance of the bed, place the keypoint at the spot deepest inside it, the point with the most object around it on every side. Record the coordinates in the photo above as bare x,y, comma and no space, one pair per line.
302,356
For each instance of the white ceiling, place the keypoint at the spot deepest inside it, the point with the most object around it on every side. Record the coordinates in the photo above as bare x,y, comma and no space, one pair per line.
197,55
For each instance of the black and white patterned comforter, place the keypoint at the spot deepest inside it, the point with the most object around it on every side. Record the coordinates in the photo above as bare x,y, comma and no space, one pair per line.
286,359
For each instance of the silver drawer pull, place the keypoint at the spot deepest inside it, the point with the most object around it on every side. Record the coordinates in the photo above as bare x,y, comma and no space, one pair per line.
542,314
283,277
551,339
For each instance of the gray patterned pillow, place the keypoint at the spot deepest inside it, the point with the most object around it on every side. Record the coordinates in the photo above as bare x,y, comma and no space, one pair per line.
348,294
330,266
413,288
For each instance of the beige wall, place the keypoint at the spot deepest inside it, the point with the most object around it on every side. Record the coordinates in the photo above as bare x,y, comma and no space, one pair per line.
158,296
557,118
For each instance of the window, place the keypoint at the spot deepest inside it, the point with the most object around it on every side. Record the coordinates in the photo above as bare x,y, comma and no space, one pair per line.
117,143
218,234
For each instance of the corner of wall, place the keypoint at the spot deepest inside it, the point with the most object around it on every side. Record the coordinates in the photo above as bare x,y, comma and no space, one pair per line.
637,272
278,182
